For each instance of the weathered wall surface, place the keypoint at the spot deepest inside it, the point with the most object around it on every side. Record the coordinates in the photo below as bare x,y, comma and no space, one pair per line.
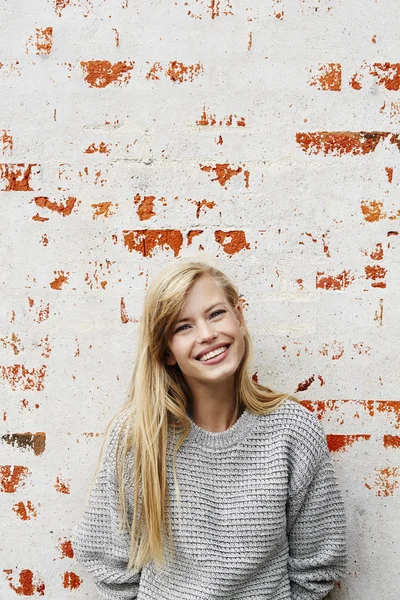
265,134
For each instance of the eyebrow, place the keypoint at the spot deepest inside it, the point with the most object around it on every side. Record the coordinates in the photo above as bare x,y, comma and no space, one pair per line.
207,310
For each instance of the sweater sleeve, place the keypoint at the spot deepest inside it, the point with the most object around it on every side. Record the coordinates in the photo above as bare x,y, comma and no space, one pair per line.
99,545
316,524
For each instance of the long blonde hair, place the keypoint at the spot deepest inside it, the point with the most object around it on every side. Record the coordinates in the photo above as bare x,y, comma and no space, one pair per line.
157,407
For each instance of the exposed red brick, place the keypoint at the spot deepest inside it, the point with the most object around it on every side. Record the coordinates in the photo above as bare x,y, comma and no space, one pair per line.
192,234
327,77
37,217
146,240
7,141
395,139
231,241
386,481
372,210
44,40
336,349
60,5
116,36
387,74
321,407
103,209
100,73
35,441
12,477
30,584
25,511
215,9
16,177
206,120
12,342
329,282
61,209
377,254
21,378
62,486
389,173
46,346
375,272
339,443
66,548
71,581
339,143
124,314
155,69
101,270
42,312
304,385
102,148
361,349
90,434
392,111
210,120
202,204
60,280
355,82
145,209
223,172
389,407
391,441
178,72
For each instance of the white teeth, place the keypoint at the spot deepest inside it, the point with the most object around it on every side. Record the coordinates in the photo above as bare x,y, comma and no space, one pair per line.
214,353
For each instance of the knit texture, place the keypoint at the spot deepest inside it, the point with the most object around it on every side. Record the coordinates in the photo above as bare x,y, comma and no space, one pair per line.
262,516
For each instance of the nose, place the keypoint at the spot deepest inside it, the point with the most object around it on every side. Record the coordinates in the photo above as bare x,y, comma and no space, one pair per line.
205,332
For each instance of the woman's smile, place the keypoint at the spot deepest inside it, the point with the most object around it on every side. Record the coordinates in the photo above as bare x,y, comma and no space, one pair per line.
217,356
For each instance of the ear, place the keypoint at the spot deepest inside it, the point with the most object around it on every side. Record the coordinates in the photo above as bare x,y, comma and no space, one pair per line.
170,358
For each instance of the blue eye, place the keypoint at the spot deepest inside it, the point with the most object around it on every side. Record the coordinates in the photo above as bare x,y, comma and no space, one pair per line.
180,328
218,312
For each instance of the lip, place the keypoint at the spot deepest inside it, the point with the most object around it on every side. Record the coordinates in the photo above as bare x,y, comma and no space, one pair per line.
216,359
211,349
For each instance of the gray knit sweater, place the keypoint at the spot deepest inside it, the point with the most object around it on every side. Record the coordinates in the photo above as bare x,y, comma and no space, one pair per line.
262,516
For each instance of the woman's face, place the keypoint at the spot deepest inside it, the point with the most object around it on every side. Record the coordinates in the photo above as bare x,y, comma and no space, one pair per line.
207,324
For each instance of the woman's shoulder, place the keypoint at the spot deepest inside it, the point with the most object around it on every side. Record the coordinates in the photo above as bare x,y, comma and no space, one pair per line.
292,411
301,427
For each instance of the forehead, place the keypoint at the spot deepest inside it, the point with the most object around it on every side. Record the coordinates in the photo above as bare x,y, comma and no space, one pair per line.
204,291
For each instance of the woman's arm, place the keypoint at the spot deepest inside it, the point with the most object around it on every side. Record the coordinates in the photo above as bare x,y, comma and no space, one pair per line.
316,523
98,543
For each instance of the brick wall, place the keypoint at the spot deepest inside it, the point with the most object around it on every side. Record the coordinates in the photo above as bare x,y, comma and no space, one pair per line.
265,134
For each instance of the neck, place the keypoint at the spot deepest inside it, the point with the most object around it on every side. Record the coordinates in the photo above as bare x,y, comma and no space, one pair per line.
214,409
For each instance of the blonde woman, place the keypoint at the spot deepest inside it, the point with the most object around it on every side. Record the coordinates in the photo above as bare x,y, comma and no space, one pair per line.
211,485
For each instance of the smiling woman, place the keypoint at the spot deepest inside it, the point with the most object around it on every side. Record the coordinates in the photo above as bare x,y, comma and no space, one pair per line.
256,510
208,349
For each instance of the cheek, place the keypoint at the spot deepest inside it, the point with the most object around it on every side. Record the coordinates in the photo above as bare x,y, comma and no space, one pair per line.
181,349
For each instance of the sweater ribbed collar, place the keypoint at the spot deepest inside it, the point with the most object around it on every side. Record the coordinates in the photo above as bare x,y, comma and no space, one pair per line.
217,440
